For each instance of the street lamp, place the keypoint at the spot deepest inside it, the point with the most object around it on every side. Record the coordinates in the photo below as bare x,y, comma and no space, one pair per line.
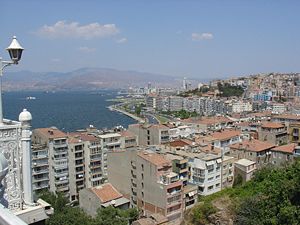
15,52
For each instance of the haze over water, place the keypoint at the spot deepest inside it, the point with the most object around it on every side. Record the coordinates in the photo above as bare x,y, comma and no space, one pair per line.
67,111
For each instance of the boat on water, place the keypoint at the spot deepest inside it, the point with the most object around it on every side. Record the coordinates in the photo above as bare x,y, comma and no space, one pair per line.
30,98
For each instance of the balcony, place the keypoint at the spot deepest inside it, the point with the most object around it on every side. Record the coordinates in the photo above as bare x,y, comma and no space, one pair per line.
39,179
40,163
35,172
61,174
62,188
94,166
95,159
174,203
39,156
59,182
110,144
41,186
96,179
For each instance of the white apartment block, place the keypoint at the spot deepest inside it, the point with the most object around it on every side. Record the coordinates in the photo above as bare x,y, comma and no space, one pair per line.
40,167
182,131
238,107
108,142
278,108
206,173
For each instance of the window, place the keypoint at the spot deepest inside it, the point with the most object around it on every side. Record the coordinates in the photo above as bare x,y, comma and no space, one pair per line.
143,167
210,187
142,176
217,185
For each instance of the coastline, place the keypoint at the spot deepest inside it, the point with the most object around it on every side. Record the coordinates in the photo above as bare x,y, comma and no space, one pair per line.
114,108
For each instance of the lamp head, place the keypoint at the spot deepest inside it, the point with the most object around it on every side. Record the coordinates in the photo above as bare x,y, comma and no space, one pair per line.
15,50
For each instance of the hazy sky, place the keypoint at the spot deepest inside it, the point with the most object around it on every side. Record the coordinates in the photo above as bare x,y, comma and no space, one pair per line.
201,39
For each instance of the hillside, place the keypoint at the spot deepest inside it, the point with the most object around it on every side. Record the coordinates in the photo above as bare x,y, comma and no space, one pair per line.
83,79
272,197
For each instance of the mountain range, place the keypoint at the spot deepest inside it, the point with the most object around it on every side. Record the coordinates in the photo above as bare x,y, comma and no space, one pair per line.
84,79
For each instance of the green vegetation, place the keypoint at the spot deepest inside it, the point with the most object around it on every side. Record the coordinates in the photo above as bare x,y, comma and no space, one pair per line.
67,215
182,114
138,109
227,90
162,119
197,92
272,197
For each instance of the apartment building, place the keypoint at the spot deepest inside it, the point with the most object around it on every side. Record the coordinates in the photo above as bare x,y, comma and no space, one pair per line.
108,142
283,154
40,167
294,133
57,144
150,134
148,180
208,123
175,103
205,172
128,140
222,139
245,169
182,131
179,166
254,150
286,118
275,133
76,166
227,171
239,107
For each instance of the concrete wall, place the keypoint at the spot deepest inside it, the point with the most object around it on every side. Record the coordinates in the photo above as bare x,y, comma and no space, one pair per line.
89,202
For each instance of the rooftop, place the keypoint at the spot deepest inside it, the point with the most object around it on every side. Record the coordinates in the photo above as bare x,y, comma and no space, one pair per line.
253,145
227,134
245,162
272,125
290,148
111,135
106,192
51,133
154,158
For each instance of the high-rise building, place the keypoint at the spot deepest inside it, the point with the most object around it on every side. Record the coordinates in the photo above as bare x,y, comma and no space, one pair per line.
147,179
57,144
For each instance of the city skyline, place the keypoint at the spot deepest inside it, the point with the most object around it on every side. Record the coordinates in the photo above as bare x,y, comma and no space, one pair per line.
194,39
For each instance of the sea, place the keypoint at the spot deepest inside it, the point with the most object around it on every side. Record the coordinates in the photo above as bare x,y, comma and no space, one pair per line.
68,111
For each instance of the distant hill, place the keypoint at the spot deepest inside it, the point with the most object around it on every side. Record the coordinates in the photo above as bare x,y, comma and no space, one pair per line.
84,79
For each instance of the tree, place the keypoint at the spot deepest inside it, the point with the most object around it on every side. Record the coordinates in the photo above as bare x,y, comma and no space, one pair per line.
111,215
70,216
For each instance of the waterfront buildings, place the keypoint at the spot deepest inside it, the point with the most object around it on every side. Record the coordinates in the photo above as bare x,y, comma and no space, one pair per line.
56,142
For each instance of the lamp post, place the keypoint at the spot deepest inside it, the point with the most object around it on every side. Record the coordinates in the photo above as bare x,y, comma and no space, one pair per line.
15,52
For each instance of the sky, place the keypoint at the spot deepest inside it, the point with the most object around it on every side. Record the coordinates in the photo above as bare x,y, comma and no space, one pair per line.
187,38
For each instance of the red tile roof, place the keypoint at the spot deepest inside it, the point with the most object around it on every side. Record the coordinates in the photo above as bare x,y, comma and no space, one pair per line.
252,145
290,148
106,192
51,133
224,135
272,125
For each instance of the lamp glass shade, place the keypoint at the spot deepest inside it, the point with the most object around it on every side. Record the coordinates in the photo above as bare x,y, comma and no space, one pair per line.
15,54
15,50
